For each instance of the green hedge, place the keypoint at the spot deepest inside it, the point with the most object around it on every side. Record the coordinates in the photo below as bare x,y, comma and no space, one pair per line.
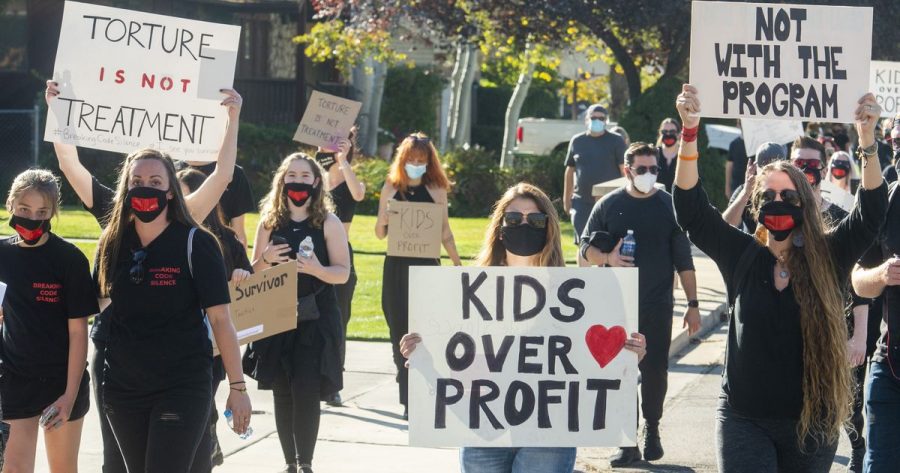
411,97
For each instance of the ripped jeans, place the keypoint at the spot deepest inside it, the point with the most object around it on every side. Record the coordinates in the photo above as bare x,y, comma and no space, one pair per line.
160,434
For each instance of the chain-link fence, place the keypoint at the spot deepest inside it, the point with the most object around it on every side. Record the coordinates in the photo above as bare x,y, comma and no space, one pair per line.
19,142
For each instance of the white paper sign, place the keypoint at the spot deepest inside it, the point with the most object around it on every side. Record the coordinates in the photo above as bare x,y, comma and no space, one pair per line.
789,62
757,132
522,357
130,80
885,84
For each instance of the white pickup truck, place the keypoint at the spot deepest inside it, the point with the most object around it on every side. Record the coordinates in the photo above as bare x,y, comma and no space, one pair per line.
540,136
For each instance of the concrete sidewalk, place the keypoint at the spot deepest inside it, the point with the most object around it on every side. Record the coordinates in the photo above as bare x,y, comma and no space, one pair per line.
368,433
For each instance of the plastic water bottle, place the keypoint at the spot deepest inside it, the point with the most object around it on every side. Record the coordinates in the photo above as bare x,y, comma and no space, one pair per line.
229,417
628,245
306,248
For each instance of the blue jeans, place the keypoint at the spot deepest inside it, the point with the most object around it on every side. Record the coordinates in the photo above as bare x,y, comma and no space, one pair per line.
517,460
883,421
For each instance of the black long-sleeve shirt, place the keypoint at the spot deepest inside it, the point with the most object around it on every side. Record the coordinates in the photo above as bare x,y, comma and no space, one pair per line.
764,364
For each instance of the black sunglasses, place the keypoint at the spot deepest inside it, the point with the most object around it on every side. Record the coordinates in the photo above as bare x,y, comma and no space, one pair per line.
137,269
789,196
669,133
536,219
420,139
641,170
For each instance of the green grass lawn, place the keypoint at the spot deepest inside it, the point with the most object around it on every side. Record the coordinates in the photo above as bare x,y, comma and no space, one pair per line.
367,320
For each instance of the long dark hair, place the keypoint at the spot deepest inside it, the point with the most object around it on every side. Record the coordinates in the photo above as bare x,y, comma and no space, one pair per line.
121,217
215,221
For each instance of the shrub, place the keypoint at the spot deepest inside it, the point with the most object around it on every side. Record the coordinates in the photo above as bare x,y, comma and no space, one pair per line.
411,98
371,171
477,180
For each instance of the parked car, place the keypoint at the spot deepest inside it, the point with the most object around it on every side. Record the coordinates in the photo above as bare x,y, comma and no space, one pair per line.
541,136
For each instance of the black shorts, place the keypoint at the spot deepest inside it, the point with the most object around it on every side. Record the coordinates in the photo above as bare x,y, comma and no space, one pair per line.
24,398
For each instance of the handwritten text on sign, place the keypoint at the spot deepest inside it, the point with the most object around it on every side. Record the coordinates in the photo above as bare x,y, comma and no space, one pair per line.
415,229
885,84
129,80
780,61
264,304
516,357
327,120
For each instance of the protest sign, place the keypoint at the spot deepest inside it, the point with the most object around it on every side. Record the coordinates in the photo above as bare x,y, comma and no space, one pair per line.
327,120
789,62
522,357
415,229
264,304
885,84
721,136
757,132
130,80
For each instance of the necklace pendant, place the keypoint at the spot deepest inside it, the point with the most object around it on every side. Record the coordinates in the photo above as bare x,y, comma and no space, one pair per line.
783,274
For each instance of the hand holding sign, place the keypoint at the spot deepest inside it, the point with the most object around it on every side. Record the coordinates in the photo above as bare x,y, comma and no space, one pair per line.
867,115
688,106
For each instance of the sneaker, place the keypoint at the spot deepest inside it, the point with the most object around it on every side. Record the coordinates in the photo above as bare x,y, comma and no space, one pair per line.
856,459
335,400
652,446
305,469
290,468
625,457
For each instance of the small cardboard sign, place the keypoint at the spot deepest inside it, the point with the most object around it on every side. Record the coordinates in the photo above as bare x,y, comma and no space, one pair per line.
327,120
415,229
885,84
264,304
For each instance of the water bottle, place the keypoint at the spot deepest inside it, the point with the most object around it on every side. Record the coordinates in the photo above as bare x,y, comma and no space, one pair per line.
628,245
306,248
230,419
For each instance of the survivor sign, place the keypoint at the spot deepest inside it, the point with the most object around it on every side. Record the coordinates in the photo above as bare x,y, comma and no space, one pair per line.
764,60
522,357
129,80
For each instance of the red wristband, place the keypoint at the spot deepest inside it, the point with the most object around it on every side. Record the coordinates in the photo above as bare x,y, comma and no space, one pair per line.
689,134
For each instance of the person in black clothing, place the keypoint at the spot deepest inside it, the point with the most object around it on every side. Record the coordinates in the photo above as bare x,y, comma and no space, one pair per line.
890,172
666,150
166,278
346,190
786,391
236,201
301,366
416,175
98,199
43,381
661,248
735,166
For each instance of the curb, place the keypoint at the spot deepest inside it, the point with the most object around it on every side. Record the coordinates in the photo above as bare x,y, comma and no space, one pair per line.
708,321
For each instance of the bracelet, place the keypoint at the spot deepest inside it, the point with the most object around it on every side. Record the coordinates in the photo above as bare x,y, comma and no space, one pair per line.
694,157
240,390
237,382
689,134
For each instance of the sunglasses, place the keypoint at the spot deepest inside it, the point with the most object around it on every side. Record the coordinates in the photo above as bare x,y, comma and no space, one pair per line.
535,220
137,269
641,170
669,133
805,164
419,139
789,196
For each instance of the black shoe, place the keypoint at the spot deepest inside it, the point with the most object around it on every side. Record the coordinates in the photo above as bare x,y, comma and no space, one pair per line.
335,400
856,459
652,446
290,468
305,469
626,456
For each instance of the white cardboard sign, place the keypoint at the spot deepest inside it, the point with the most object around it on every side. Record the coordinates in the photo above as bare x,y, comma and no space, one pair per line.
130,80
885,84
757,132
522,357
777,61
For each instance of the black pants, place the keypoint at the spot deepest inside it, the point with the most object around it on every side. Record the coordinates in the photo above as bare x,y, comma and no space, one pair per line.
656,325
112,456
344,294
297,411
160,434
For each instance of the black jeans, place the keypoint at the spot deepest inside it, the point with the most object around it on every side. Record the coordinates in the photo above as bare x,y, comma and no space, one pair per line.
656,325
161,433
297,410
112,456
344,293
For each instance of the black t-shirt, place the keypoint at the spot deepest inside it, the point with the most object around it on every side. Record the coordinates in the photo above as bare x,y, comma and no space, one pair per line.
764,363
237,198
666,175
887,245
344,203
158,338
47,286
661,246
103,202
296,232
890,174
737,155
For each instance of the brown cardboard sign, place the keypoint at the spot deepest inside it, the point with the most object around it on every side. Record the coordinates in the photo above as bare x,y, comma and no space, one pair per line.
414,229
327,120
264,304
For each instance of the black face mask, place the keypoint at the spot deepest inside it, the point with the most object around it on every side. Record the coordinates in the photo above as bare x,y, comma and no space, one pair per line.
813,176
299,193
325,159
840,169
146,203
523,240
30,231
780,218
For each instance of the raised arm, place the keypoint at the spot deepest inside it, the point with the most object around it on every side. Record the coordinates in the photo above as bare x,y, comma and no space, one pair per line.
67,155
357,187
867,115
735,212
387,193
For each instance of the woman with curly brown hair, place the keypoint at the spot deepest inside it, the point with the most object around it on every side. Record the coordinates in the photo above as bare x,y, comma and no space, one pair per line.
787,390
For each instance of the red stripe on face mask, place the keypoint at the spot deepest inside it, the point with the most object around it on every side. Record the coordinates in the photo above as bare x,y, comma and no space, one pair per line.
298,195
779,222
144,205
29,234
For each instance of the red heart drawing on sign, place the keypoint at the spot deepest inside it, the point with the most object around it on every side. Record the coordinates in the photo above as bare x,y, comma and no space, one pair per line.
605,344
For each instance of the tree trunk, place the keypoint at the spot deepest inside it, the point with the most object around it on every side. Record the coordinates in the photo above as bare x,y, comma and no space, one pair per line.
462,134
618,94
378,78
507,158
632,72
455,83
361,90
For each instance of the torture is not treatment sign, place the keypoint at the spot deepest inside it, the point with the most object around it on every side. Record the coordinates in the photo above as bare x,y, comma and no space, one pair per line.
516,357
130,80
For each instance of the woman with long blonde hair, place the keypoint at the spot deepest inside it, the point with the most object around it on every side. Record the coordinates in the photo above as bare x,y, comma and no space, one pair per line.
301,366
523,231
787,389
416,175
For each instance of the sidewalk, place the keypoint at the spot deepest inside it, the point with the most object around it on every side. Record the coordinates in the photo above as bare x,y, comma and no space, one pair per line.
368,433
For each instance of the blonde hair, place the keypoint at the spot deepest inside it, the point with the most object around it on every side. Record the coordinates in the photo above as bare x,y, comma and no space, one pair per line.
40,181
274,209
827,385
493,253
